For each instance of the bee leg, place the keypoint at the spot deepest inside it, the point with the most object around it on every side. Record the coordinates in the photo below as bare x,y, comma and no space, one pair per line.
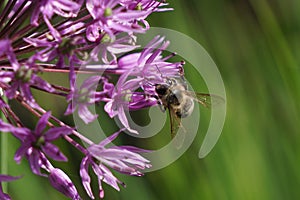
160,104
162,108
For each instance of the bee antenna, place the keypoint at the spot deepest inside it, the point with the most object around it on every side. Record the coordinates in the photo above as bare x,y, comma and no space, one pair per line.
159,70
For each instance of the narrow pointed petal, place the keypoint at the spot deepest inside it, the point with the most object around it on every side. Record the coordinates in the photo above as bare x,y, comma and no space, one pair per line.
42,123
53,152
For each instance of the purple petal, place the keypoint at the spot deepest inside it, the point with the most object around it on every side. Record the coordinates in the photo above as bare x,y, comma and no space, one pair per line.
85,114
11,91
149,47
7,49
70,109
86,179
25,90
56,132
109,109
53,31
92,33
133,149
102,171
129,60
53,152
21,152
34,160
132,15
40,83
132,84
38,43
7,178
91,82
142,103
156,53
42,123
20,133
120,48
127,28
4,196
69,27
115,153
109,139
123,119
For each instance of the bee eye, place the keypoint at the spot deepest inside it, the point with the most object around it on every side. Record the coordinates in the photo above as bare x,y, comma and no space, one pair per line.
161,89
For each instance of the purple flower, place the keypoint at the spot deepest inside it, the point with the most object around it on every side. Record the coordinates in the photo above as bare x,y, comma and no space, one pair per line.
22,77
87,95
111,17
60,50
140,70
6,178
37,142
119,158
60,181
64,8
22,80
109,48
122,159
48,8
150,63
121,98
103,174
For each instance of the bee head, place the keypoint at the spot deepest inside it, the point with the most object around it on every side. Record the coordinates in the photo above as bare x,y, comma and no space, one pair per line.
161,89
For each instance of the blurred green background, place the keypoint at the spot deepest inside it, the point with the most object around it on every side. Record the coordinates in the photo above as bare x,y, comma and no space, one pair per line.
256,46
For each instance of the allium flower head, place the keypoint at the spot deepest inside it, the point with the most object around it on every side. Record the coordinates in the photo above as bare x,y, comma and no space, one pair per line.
62,36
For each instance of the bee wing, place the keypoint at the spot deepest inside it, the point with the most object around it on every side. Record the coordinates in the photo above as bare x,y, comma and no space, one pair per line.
207,100
175,122
175,125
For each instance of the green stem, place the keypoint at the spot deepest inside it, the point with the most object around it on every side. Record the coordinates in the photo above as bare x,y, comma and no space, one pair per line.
4,149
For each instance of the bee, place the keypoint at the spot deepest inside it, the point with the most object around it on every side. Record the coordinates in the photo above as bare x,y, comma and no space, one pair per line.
173,95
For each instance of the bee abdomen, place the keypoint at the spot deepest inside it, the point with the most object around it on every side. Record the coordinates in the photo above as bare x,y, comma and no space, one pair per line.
187,108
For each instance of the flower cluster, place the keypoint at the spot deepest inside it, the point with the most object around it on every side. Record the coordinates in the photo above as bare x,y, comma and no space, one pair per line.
63,36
